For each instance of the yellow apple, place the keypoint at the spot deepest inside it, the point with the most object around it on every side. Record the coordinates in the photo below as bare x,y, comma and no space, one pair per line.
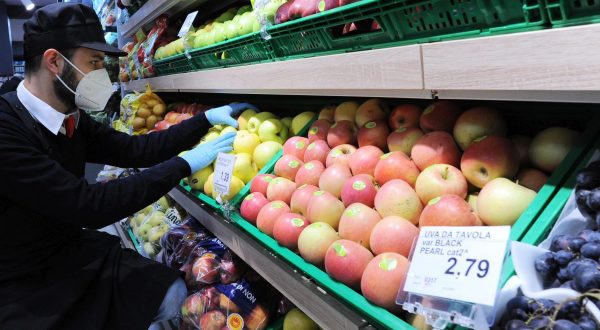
143,231
139,219
244,168
149,249
345,111
209,184
287,121
198,179
501,202
255,121
147,210
228,129
245,142
156,219
209,137
269,130
155,234
234,188
265,152
163,203
244,118
300,121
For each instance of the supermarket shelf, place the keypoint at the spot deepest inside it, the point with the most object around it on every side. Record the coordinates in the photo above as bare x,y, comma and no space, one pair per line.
125,240
327,311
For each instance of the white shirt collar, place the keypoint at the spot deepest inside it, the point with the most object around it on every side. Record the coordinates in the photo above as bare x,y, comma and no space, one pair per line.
42,112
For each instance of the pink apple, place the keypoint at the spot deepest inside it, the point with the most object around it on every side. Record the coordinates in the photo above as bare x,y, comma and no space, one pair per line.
287,229
333,178
251,205
435,148
268,214
345,111
260,183
357,222
296,145
488,158
314,242
342,132
318,130
374,133
287,166
403,139
324,207
327,113
476,123
522,144
282,15
393,234
398,198
340,154
383,277
396,165
448,210
405,115
310,173
439,116
360,188
346,261
281,189
364,160
440,179
371,110
300,198
317,150
532,178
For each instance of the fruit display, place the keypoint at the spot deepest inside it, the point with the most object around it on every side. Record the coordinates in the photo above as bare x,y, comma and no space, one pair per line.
140,112
178,112
587,194
295,9
295,319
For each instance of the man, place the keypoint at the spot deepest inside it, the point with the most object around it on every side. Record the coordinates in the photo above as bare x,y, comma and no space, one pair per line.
53,273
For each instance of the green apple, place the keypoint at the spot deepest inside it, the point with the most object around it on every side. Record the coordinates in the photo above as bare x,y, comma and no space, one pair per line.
220,33
147,210
245,142
210,37
300,121
198,179
255,23
244,168
269,130
265,152
209,136
244,118
201,40
228,129
284,133
244,9
143,231
295,319
287,121
246,23
230,29
224,17
501,202
149,249
156,219
163,204
139,219
217,127
270,9
255,121
155,234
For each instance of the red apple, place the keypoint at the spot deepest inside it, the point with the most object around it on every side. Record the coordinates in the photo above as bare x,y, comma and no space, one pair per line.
440,179
522,144
310,173
393,234
333,178
346,261
315,240
260,183
396,165
478,122
287,166
327,113
371,110
251,205
439,116
317,150
340,154
282,15
405,115
357,222
296,145
281,189
488,158
448,210
300,198
382,279
302,8
213,320
403,139
375,26
398,198
360,188
435,148
532,178
345,111
268,214
324,207
206,269
364,160
373,133
342,132
287,229
318,130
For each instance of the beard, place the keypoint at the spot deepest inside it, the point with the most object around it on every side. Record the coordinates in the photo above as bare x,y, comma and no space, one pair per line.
64,95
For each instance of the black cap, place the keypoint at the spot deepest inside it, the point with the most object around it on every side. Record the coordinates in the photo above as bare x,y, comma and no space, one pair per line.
63,26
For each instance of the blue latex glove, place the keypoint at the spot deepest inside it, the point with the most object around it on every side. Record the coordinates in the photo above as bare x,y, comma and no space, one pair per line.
224,115
204,154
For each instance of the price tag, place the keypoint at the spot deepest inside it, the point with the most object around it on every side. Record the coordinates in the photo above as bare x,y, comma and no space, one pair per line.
187,24
459,263
223,173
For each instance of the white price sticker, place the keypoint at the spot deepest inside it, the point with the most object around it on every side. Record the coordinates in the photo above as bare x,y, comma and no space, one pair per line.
223,173
187,24
460,263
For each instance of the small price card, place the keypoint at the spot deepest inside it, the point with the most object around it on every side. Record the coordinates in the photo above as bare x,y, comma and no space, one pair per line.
223,173
187,24
459,263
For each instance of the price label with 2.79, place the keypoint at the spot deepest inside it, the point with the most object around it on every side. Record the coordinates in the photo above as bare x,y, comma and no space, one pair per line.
459,263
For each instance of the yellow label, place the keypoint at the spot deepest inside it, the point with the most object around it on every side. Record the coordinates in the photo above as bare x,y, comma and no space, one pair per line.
235,322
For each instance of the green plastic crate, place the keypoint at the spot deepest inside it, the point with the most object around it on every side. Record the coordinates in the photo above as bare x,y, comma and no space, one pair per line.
403,22
573,12
241,50
173,64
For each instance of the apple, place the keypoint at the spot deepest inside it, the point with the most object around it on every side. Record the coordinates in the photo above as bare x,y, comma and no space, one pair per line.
550,146
323,5
472,200
296,146
439,116
209,185
522,144
287,121
272,130
403,139
327,113
373,133
342,132
206,268
228,129
396,165
501,202
264,152
440,179
435,148
448,210
245,142
193,306
198,179
476,123
251,205
309,173
405,115
393,234
345,111
318,130
340,154
303,8
317,150
244,168
364,160
287,166
371,110
314,241
235,186
346,261
287,229
396,197
214,319
383,278
300,121
244,118
282,14
281,189
260,183
324,207
255,121
357,222
300,198
333,178
488,158
360,188
532,178
265,220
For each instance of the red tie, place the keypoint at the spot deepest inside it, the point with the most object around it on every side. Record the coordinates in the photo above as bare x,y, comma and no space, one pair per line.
69,125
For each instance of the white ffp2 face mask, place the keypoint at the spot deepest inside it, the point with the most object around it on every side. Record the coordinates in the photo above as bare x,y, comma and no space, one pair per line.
93,90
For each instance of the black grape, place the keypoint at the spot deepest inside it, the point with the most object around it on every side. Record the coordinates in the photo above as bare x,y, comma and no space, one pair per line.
591,250
565,325
563,257
546,265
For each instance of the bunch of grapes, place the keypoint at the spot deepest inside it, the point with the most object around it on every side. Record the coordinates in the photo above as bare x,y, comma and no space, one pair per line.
587,193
